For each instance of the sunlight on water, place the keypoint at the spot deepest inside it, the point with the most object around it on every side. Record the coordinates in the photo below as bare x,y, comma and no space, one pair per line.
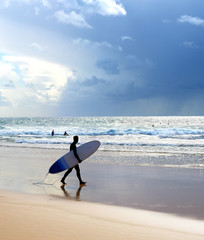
145,135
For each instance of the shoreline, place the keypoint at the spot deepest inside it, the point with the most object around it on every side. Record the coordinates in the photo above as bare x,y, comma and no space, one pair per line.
114,155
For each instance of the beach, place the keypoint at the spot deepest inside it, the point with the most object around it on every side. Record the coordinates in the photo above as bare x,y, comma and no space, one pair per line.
35,217
119,201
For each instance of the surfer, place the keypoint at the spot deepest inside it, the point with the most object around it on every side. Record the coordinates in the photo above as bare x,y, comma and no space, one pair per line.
66,134
53,133
73,147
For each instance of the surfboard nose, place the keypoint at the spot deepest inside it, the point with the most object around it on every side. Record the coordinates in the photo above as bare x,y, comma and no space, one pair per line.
59,166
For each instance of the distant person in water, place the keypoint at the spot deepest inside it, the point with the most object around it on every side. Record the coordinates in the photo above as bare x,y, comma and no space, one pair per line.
53,133
73,147
66,134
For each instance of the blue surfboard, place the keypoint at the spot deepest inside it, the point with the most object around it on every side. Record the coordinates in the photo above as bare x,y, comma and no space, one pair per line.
69,160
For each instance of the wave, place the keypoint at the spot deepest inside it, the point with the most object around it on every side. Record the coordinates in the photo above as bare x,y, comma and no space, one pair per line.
101,131
118,134
150,132
104,145
39,141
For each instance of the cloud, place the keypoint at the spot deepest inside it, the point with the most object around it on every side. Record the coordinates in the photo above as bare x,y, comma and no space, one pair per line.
72,18
132,62
96,44
110,66
191,20
8,3
37,47
73,12
81,41
94,81
3,100
124,38
8,75
103,44
128,90
106,7
46,3
71,4
84,97
39,80
190,44
102,7
99,95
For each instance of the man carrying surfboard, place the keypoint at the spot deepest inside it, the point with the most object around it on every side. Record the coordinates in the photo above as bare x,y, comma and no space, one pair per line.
73,147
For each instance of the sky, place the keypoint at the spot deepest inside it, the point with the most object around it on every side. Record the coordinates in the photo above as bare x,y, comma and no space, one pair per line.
101,58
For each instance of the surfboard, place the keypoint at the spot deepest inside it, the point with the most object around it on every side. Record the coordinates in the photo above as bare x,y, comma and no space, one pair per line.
69,160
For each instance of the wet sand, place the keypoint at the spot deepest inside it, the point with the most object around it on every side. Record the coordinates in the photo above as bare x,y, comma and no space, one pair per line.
34,217
118,202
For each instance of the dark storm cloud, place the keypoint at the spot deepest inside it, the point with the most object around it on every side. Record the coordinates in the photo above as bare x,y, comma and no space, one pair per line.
110,66
130,57
94,81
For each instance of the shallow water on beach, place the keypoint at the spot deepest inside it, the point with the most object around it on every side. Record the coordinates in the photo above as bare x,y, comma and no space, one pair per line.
157,141
172,190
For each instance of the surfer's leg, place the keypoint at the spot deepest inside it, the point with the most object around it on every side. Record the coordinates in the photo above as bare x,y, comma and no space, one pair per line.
66,174
79,174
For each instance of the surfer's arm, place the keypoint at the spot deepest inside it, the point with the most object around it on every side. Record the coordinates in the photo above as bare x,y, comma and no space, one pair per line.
76,155
73,147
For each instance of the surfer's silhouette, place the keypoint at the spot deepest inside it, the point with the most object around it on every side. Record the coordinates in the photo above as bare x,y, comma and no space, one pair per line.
53,133
73,147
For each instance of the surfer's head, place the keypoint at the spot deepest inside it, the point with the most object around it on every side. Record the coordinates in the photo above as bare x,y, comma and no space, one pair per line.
76,139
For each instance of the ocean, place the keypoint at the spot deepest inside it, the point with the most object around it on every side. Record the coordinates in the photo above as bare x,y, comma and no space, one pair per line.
143,141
